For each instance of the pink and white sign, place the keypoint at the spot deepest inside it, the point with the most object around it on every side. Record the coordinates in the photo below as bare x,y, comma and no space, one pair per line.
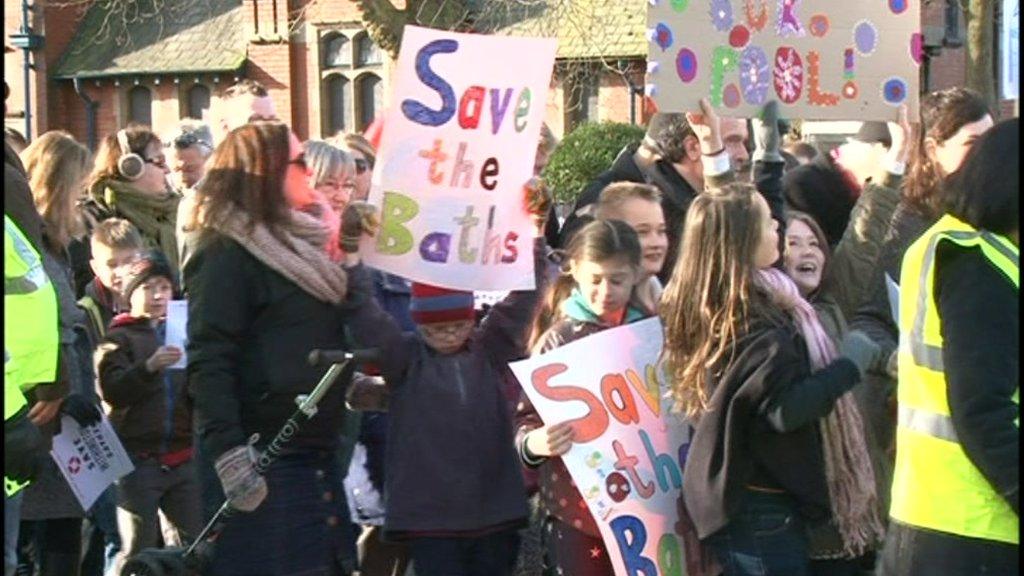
629,450
459,141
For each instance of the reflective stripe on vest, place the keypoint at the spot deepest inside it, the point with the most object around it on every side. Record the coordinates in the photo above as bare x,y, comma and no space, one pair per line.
935,485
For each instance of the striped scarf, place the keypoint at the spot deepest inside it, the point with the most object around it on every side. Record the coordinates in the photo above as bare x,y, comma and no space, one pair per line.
848,470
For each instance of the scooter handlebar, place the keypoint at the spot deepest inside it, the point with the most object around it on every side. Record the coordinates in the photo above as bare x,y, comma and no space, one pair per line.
326,357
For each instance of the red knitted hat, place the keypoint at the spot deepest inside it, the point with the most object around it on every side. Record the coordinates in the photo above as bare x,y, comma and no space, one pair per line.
432,304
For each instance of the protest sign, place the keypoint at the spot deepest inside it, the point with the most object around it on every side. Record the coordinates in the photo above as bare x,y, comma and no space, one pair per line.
820,59
629,450
176,329
90,458
458,144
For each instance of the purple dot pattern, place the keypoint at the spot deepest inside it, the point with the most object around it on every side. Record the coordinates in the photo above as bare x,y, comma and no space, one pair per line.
894,91
731,96
898,6
721,15
663,36
686,65
754,75
865,37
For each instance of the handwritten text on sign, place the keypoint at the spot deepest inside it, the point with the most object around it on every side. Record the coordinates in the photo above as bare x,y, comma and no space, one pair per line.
820,59
459,142
628,454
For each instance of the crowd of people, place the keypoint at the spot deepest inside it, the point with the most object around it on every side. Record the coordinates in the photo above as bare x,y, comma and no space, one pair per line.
833,432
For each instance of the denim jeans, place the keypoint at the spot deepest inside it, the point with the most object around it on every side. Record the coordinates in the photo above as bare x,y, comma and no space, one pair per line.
100,539
301,528
12,521
766,537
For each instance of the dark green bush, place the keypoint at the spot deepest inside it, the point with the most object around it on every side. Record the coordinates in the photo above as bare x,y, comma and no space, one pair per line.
584,153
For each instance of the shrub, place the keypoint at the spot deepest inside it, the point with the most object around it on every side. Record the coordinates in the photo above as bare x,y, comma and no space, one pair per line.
586,152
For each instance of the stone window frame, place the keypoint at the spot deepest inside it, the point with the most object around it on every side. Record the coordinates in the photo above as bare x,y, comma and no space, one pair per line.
355,74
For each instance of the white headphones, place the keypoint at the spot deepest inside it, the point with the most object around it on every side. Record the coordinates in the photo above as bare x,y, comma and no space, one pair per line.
130,165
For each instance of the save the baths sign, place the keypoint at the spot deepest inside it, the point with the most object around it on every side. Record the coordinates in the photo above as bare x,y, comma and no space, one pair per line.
458,144
629,450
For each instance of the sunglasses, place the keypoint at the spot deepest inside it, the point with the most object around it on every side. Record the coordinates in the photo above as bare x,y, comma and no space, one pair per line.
300,161
362,165
189,139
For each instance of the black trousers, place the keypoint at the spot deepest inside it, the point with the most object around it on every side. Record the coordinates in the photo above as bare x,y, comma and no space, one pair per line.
491,555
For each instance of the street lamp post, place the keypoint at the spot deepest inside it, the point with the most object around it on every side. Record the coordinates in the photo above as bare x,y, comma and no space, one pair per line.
28,42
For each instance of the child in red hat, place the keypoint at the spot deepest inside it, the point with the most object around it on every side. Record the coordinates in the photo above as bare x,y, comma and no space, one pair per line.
454,489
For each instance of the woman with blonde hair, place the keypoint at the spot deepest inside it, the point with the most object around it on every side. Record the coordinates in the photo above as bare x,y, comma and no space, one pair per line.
331,172
56,166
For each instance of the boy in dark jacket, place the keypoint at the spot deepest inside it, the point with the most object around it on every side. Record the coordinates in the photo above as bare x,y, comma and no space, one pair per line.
149,411
453,490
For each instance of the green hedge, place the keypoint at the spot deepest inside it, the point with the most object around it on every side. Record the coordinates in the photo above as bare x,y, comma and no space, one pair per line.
584,153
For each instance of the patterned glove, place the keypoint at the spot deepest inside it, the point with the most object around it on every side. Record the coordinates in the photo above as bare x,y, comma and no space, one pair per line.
537,199
766,134
243,486
359,218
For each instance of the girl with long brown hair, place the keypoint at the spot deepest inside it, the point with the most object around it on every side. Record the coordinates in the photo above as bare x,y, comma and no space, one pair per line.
594,292
761,388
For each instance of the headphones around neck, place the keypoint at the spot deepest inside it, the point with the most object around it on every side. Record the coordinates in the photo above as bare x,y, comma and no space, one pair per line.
130,165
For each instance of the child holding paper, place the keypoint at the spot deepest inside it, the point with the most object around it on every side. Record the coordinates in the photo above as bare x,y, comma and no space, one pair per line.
149,411
595,291
454,490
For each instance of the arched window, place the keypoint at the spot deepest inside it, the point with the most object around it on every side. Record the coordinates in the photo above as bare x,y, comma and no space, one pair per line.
337,52
198,100
140,105
337,100
367,53
371,94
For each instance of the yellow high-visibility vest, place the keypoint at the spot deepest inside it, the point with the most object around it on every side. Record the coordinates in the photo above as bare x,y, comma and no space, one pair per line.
30,324
935,485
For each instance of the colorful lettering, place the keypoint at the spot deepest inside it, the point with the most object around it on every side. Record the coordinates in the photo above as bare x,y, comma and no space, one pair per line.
435,247
417,111
466,223
587,427
723,60
815,95
471,106
627,463
396,210
631,536
499,107
625,410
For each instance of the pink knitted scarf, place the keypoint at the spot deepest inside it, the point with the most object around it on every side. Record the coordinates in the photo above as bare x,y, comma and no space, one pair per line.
851,482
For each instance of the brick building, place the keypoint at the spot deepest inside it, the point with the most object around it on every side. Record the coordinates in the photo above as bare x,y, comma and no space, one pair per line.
323,71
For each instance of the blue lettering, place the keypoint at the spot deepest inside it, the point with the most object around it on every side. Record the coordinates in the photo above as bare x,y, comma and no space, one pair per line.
631,536
419,112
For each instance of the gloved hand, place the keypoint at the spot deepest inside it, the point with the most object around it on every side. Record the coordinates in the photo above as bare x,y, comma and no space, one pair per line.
367,393
860,349
537,199
766,134
24,448
359,218
84,412
244,487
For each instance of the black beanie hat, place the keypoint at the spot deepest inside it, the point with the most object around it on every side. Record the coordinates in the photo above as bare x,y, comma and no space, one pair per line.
819,189
150,265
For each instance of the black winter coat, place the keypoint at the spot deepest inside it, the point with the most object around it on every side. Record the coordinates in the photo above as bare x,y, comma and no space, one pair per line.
760,428
250,331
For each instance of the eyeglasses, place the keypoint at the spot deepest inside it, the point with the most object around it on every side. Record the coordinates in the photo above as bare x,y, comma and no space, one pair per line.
362,165
158,162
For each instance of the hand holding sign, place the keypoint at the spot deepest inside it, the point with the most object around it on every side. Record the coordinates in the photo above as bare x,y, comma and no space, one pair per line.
164,357
708,127
537,199
548,441
902,133
358,219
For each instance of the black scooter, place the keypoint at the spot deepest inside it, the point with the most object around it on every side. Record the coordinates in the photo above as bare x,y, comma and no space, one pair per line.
190,561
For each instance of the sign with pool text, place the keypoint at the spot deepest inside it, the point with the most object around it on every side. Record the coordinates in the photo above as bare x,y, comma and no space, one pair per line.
459,140
820,59
629,449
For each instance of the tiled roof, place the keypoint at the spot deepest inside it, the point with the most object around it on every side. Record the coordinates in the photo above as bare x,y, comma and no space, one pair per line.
585,28
182,36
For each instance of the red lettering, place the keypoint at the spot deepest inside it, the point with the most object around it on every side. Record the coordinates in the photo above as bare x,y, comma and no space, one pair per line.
471,107
625,410
587,427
